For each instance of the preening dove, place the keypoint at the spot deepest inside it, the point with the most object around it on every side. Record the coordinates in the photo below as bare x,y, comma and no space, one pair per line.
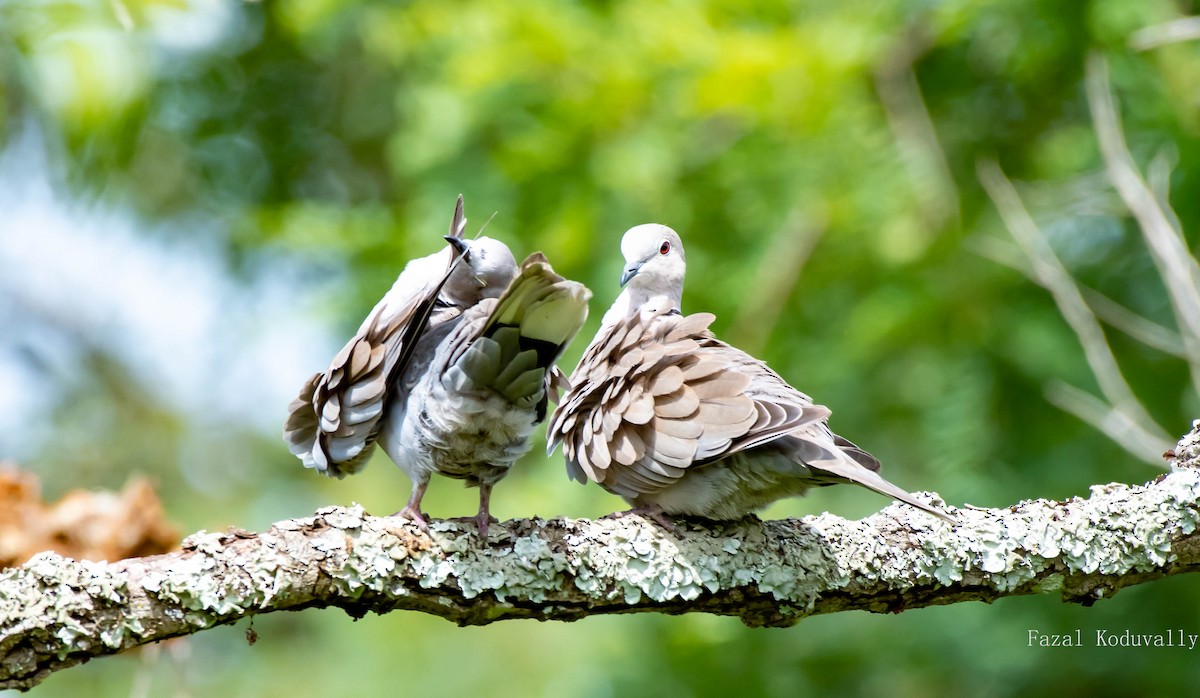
678,422
450,372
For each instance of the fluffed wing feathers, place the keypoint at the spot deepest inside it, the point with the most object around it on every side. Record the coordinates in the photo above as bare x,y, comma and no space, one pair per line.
681,403
334,423
665,375
527,388
516,367
511,343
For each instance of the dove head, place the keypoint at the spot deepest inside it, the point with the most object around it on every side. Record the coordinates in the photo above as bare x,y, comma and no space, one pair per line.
485,271
654,264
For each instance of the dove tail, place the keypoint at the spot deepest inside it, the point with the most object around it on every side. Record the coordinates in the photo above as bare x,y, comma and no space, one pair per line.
831,458
537,316
873,481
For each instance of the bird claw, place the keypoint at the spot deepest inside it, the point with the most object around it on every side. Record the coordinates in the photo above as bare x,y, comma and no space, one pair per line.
414,515
481,520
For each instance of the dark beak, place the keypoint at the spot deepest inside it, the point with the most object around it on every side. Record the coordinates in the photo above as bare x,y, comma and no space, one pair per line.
460,246
630,272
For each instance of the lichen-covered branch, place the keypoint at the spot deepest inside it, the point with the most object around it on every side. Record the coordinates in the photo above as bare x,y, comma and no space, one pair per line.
56,612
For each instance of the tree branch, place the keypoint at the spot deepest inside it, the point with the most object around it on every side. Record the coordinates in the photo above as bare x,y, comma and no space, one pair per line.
56,612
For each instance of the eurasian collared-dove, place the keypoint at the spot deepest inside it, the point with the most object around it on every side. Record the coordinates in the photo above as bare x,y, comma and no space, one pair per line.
332,426
472,409
676,421
458,393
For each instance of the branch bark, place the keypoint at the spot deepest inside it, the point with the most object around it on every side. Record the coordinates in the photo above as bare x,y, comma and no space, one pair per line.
56,612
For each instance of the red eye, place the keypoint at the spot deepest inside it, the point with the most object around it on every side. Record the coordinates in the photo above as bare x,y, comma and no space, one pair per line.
665,247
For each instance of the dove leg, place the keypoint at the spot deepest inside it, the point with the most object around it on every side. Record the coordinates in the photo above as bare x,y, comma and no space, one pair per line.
484,517
412,510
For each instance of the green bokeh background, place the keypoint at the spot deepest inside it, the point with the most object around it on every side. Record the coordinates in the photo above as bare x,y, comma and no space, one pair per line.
819,160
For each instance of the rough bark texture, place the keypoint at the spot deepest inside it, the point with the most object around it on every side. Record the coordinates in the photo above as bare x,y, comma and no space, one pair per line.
56,612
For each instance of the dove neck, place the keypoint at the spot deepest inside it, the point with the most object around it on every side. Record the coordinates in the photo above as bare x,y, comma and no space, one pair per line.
632,300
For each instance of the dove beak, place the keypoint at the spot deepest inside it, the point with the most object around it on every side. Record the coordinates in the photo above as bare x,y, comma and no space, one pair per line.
631,271
460,246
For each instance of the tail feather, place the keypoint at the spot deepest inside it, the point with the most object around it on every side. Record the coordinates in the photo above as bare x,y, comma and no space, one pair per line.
828,457
863,458
528,384
532,322
481,361
515,368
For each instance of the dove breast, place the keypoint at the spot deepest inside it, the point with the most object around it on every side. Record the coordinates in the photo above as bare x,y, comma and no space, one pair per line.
485,382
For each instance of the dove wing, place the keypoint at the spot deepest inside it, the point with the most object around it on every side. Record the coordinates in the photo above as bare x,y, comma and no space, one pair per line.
655,394
814,444
510,344
333,424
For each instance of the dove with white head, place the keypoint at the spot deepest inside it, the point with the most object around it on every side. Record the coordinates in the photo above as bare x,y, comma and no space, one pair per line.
678,422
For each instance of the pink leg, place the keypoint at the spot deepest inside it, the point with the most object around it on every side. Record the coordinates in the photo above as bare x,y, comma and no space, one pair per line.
484,517
412,510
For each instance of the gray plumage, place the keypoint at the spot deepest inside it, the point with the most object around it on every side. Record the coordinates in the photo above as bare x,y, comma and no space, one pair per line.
676,421
485,388
334,423
448,373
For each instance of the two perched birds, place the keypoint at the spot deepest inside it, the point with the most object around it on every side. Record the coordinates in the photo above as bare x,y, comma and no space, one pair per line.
452,370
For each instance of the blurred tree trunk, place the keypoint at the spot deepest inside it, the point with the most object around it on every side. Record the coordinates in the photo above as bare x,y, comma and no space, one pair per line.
56,612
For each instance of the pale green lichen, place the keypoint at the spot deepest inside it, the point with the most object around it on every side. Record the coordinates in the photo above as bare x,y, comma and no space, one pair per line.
1104,534
79,608
211,580
630,561
65,596
1187,452
621,560
379,561
528,569
627,561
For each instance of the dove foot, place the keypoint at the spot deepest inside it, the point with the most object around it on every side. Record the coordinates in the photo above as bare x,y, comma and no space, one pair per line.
414,515
482,521
412,510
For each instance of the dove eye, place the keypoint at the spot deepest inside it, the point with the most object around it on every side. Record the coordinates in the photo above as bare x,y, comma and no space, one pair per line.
665,247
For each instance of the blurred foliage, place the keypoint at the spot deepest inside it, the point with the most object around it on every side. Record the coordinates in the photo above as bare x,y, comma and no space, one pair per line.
333,136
